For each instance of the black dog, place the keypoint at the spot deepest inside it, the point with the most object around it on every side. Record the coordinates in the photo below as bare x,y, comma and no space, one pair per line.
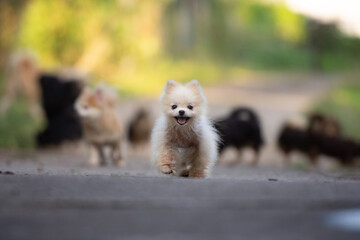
344,150
139,129
240,129
293,139
58,98
314,143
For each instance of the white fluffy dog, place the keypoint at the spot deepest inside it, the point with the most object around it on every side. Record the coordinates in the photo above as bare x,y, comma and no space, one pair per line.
184,142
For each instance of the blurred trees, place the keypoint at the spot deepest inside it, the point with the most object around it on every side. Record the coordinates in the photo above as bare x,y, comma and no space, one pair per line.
330,49
89,34
10,13
139,43
256,34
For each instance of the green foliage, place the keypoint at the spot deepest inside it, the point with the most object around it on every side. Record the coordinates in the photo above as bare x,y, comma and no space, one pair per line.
17,128
246,32
344,104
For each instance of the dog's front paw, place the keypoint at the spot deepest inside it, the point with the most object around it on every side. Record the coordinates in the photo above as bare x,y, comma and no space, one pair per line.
166,169
184,173
197,174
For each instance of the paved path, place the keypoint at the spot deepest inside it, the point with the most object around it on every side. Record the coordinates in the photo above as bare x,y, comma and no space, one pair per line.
56,195
112,207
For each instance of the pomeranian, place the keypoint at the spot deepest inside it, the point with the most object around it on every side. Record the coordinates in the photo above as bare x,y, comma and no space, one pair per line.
184,143
101,124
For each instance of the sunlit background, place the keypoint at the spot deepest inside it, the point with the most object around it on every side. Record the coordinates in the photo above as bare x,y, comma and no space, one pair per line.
135,45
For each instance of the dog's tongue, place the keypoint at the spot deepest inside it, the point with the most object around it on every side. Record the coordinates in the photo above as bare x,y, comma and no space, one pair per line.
181,120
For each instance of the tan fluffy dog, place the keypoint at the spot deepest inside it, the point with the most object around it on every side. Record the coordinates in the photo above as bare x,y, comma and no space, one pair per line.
101,124
184,142
22,75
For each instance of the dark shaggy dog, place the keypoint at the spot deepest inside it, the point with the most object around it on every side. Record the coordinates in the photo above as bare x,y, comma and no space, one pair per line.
294,139
314,143
140,127
240,129
344,150
58,99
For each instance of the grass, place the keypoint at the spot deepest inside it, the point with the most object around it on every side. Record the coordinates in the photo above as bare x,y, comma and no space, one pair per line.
17,127
344,104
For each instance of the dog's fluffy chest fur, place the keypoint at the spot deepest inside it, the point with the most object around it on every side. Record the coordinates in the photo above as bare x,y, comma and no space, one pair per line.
182,137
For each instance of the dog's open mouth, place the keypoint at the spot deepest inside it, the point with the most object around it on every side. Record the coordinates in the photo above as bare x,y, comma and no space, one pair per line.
182,120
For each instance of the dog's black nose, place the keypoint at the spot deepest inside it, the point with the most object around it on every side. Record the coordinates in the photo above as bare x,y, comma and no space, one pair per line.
181,112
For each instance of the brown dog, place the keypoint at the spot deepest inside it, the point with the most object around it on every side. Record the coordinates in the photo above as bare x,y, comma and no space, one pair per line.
22,75
101,124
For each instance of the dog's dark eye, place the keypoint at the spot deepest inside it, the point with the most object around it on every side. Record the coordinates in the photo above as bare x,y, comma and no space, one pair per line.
190,107
174,106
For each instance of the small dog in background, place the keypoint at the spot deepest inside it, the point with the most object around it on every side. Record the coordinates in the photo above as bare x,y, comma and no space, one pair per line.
22,75
343,149
240,129
140,126
322,136
184,142
292,138
101,124
58,97
298,137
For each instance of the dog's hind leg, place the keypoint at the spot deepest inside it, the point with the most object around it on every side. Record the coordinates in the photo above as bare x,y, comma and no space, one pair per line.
256,157
97,156
186,155
199,165
286,155
205,155
238,158
255,160
116,154
201,162
101,154
239,155
313,157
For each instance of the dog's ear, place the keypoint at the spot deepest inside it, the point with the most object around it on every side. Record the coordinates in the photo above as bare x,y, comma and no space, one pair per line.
99,95
106,95
194,84
170,84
